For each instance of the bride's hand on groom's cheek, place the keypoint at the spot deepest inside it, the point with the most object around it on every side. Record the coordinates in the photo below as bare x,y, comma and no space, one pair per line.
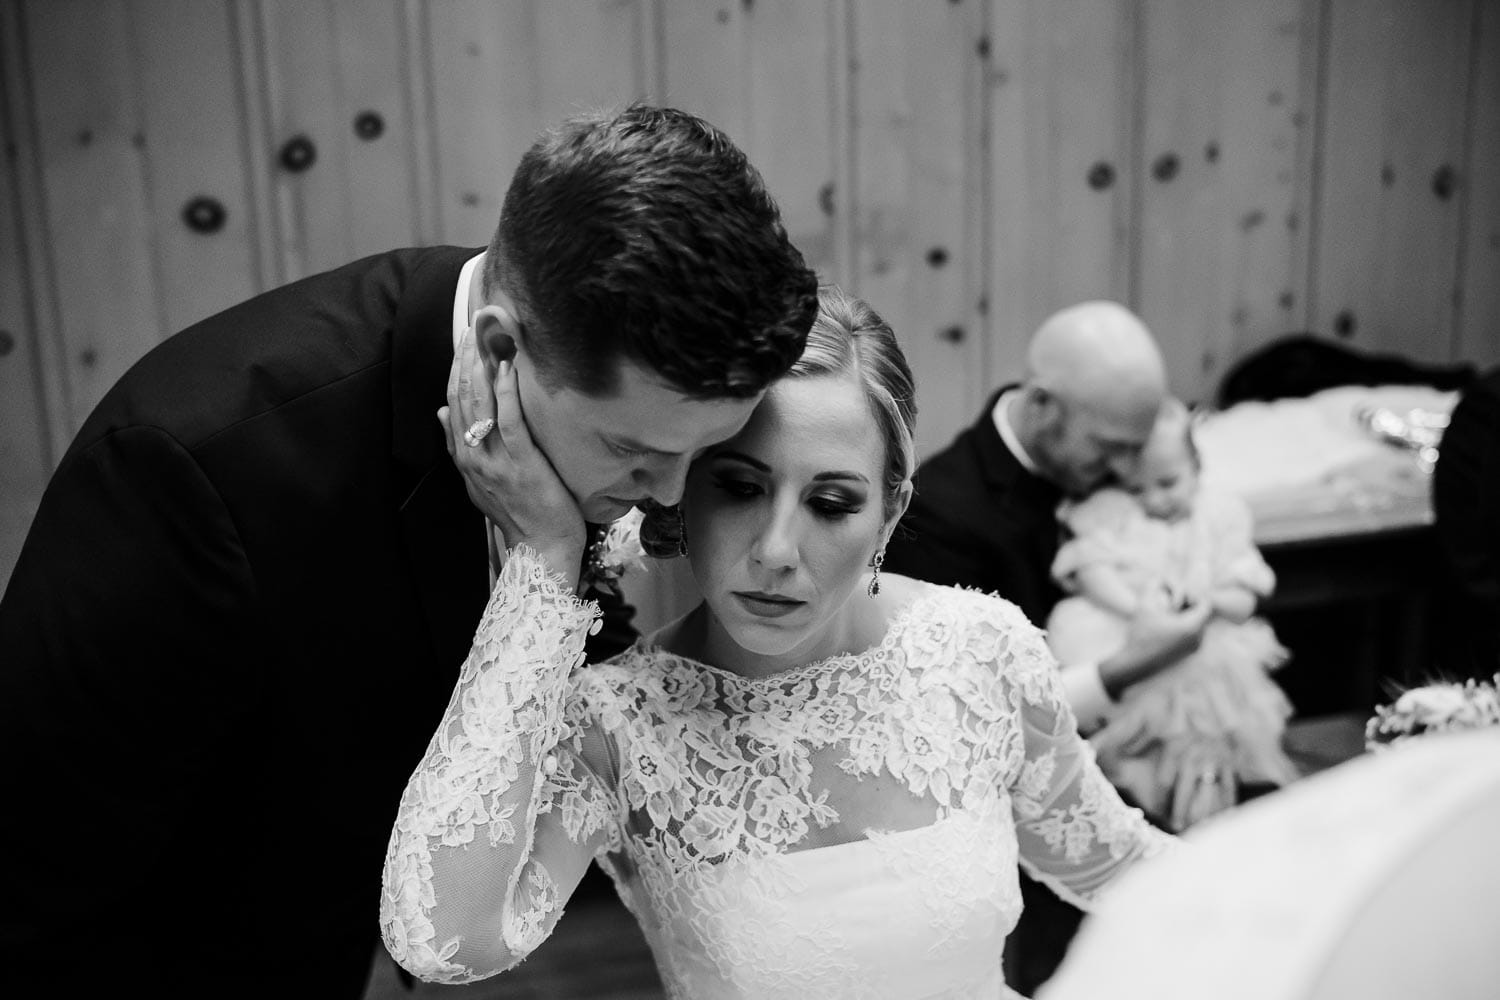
507,476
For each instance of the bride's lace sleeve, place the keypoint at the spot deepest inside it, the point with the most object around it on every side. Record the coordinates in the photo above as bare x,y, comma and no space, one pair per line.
1074,831
504,814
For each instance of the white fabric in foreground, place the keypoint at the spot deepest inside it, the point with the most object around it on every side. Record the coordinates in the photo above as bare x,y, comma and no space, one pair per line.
1377,879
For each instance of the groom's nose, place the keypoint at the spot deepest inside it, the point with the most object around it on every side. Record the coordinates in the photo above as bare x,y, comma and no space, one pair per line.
663,479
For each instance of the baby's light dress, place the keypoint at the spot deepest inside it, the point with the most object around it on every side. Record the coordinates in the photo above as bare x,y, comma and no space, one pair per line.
1181,740
748,824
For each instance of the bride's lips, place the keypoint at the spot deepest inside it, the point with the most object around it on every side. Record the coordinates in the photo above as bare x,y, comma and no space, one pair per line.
763,605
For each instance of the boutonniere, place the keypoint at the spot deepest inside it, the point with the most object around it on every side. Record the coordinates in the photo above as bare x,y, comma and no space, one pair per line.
1444,706
614,550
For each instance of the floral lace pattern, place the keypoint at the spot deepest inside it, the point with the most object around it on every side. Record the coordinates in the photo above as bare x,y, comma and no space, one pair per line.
479,776
848,828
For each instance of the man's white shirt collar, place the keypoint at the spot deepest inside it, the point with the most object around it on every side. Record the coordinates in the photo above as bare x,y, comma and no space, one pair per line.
460,324
1001,416
461,299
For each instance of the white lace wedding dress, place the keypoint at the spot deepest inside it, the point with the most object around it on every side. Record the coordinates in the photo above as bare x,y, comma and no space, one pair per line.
851,828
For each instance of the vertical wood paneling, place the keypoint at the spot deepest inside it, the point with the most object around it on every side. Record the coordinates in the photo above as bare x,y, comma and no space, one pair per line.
194,146
328,62
503,72
89,140
1061,165
417,45
371,60
764,73
915,83
1479,267
1386,254
36,281
25,459
1219,236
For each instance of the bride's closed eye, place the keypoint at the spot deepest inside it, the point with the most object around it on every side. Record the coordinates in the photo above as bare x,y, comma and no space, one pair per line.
834,508
623,451
739,488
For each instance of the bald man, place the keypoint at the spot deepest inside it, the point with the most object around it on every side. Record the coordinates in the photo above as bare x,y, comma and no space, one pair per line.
984,511
984,516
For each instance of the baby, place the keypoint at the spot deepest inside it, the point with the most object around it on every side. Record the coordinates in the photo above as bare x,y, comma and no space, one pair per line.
1182,741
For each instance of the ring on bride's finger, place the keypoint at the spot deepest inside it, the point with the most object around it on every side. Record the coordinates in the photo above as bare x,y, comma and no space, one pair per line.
478,431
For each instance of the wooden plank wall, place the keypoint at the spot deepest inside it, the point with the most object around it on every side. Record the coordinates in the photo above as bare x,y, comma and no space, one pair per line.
1232,169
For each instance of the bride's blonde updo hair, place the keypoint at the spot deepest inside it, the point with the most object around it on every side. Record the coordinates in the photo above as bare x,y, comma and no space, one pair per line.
847,337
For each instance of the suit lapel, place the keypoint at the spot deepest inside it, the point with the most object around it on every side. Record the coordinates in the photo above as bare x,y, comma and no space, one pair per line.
1016,491
443,532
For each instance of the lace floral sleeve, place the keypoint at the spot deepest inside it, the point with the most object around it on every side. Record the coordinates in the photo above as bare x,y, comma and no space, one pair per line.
499,821
1074,831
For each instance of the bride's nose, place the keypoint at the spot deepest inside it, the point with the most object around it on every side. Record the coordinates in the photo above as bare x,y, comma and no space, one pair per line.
775,546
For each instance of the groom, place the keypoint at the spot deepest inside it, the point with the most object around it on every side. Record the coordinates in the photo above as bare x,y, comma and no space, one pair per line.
244,600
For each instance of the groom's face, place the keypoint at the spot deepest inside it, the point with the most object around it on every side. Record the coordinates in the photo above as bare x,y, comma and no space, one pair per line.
616,451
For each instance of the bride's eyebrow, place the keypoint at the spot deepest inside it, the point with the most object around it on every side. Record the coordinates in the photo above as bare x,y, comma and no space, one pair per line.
739,456
759,466
855,476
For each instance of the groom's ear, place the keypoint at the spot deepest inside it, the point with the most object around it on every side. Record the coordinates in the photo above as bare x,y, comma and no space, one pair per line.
497,332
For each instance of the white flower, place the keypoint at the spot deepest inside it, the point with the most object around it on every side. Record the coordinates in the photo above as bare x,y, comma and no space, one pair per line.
1432,705
617,549
1435,708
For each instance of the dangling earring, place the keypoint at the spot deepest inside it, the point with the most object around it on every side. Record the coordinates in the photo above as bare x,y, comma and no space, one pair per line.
876,563
663,531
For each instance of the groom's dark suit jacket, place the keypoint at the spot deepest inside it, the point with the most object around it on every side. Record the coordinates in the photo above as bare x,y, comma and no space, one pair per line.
232,630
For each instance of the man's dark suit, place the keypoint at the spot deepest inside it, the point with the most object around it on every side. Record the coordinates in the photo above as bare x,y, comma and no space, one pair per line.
234,625
1466,505
979,519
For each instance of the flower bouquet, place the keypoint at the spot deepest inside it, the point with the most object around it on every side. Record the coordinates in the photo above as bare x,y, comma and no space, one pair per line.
1442,706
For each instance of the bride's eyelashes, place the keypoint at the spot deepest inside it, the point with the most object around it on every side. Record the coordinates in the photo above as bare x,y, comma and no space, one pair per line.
834,507
831,507
738,489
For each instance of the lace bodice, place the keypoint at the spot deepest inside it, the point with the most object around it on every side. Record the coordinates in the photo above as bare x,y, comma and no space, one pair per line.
849,828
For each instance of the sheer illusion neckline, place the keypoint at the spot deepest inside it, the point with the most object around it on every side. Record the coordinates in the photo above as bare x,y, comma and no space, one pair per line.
876,837
899,623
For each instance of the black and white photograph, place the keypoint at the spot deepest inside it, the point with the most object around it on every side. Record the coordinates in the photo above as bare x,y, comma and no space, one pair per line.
750,499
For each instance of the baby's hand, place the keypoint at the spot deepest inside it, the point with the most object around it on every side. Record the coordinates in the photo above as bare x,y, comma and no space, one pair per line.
1163,596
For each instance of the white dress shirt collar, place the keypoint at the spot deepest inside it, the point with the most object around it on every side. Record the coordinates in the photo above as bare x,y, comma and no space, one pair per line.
461,298
460,324
1001,416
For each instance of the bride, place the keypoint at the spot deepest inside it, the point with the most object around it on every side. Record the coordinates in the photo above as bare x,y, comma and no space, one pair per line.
819,782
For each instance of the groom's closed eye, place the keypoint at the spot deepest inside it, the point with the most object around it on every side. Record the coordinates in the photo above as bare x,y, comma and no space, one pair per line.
625,451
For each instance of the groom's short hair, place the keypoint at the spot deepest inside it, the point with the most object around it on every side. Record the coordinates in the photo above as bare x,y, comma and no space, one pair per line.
647,235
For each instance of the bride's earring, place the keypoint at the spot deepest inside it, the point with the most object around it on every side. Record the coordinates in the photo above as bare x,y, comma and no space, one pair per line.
875,564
